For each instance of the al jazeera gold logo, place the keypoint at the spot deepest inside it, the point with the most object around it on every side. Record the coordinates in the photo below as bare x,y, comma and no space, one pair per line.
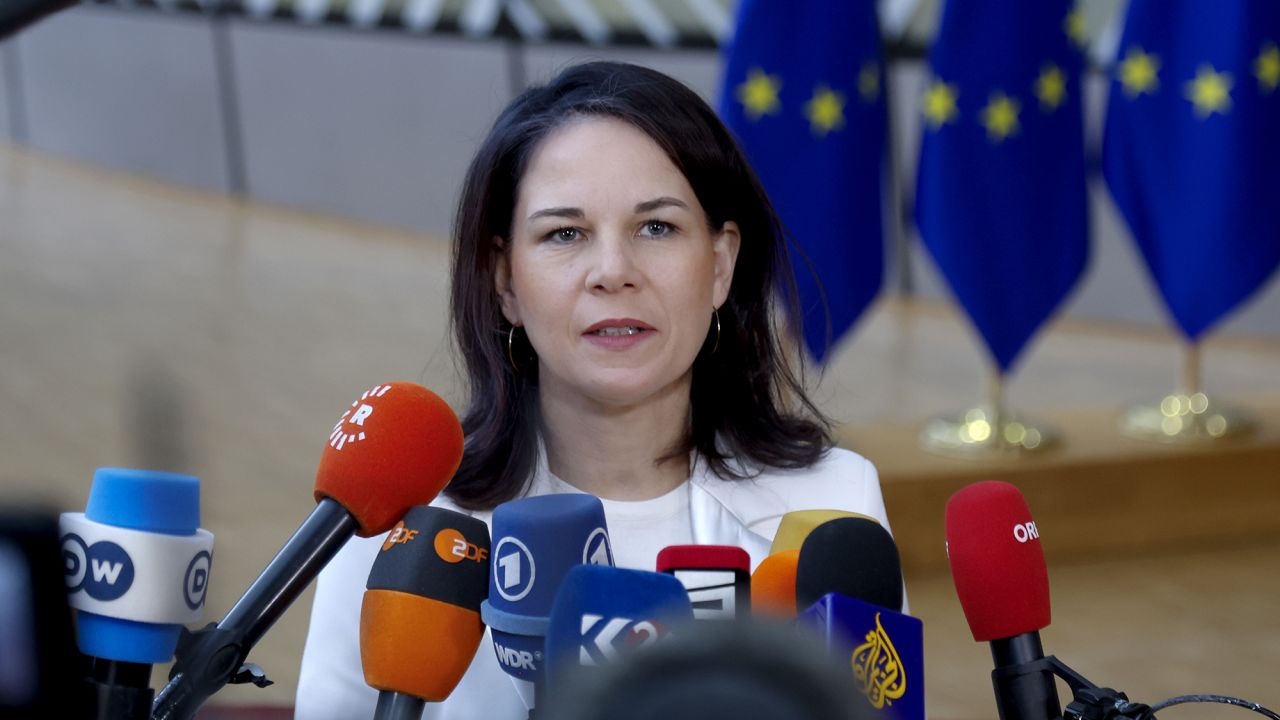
878,669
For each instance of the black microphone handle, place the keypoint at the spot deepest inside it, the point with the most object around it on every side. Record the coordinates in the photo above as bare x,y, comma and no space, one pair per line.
215,654
118,690
398,706
1023,693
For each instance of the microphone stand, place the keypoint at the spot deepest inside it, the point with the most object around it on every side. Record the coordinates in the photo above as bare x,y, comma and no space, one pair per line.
1089,702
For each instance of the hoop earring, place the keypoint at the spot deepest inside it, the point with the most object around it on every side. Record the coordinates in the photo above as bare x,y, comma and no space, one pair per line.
715,312
511,358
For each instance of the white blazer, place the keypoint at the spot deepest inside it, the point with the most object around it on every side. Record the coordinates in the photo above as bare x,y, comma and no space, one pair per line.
745,513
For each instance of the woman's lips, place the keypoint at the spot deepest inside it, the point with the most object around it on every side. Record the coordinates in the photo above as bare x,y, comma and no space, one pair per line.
618,333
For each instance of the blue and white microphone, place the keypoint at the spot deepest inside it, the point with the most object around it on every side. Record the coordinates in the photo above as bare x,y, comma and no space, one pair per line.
137,569
601,613
536,541
850,578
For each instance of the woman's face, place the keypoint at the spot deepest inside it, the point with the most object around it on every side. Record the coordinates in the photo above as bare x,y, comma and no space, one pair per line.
610,266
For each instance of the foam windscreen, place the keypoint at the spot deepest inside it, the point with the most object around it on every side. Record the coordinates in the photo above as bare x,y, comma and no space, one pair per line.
395,447
773,585
997,562
797,524
851,556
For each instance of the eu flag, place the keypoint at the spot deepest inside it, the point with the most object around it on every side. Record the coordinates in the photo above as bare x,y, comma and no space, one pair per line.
1192,149
1000,195
803,92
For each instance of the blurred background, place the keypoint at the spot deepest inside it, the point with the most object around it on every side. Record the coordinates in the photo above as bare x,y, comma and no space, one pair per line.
221,221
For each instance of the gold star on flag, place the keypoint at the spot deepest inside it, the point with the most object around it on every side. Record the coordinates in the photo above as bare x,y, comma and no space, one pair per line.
939,104
1139,72
1000,117
759,94
1267,68
1075,27
1051,87
825,111
869,82
1210,92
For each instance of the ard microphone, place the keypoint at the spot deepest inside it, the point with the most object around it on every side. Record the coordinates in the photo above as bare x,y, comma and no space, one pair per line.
602,612
420,620
998,568
717,578
536,541
773,585
850,576
137,567
394,448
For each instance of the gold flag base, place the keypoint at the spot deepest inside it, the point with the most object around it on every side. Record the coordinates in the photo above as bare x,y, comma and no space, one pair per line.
982,433
1181,419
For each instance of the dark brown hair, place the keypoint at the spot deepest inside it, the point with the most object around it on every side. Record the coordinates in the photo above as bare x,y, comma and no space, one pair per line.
748,405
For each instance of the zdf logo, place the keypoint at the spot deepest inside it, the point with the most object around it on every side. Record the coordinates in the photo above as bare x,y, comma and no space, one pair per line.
452,547
1026,532
103,570
399,535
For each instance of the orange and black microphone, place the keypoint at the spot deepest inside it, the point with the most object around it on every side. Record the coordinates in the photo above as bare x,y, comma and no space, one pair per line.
420,621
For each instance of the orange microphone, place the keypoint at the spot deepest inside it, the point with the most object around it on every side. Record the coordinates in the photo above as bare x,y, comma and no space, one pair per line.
773,585
420,621
394,448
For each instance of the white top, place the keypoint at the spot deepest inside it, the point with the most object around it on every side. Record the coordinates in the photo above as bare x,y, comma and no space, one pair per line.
706,510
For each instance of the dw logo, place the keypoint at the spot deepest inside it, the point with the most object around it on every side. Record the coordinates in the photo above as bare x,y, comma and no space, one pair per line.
513,569
103,570
196,582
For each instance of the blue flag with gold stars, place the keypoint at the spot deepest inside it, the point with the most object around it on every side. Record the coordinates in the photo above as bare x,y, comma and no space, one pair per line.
1192,149
1000,194
803,93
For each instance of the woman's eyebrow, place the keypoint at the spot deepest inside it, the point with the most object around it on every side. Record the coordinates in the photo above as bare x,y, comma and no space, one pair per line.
665,201
568,212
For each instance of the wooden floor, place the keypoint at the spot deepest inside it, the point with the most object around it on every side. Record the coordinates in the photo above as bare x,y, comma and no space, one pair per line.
147,326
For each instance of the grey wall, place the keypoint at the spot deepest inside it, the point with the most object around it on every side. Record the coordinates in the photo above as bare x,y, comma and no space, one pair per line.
380,126
135,91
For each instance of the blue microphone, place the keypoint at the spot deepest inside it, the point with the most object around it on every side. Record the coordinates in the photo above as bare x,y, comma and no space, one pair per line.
536,541
137,568
851,567
601,612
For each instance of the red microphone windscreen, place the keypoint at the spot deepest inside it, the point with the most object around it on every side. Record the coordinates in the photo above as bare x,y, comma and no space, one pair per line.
395,447
708,557
997,562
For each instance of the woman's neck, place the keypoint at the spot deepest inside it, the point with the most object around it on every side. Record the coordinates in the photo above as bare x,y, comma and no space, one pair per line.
612,452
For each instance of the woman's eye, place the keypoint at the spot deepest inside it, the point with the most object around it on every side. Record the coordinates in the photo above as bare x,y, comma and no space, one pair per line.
657,228
564,235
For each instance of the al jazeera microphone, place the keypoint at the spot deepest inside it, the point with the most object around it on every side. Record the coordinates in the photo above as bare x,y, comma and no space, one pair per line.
536,541
850,578
997,564
137,568
717,578
420,619
394,448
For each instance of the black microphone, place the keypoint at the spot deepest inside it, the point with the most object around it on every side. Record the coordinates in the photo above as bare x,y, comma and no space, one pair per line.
851,556
396,447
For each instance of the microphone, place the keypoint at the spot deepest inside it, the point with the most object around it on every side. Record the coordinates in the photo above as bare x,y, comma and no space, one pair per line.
773,585
603,611
420,620
395,447
797,524
136,566
997,564
536,540
717,578
850,576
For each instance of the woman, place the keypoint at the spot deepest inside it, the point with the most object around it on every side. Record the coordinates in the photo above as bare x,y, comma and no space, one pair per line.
615,264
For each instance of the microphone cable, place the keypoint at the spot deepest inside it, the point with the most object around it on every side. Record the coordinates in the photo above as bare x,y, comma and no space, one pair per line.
1224,699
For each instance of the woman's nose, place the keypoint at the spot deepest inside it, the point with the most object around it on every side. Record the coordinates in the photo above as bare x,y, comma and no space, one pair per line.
613,265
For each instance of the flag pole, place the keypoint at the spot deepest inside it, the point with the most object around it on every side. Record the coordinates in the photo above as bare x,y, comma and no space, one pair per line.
987,431
1186,416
